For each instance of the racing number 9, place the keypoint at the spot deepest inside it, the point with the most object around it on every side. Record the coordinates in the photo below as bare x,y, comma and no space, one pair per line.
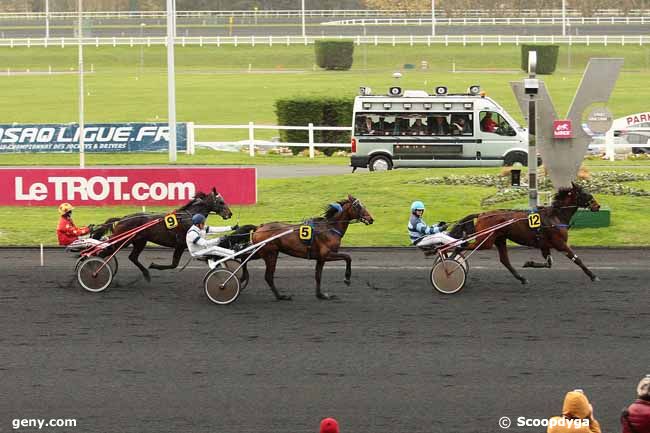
171,221
305,233
534,221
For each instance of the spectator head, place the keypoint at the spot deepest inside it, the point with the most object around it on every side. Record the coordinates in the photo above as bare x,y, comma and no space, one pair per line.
643,389
329,425
576,405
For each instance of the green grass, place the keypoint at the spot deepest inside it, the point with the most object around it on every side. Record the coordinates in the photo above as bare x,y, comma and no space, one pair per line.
213,86
387,195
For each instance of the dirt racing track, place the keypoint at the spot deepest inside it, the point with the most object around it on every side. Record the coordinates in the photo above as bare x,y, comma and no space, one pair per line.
389,356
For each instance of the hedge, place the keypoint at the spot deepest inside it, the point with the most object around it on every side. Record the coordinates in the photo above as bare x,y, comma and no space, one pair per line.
334,55
319,110
546,58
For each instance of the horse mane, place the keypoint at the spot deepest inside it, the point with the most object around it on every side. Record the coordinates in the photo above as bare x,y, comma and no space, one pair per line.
563,192
198,196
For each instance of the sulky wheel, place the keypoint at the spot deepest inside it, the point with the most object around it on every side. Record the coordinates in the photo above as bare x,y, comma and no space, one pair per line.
240,272
221,286
114,265
448,276
94,274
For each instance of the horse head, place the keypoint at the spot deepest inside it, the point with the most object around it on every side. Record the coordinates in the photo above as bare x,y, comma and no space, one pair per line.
215,203
357,211
575,196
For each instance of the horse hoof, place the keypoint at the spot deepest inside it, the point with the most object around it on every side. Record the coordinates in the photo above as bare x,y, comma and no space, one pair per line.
347,281
524,281
147,277
326,297
283,297
528,264
595,279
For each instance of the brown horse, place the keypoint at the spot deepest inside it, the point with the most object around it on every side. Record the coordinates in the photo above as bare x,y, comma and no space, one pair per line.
553,232
326,234
159,234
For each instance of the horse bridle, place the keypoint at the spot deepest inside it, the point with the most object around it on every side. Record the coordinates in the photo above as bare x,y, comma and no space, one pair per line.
358,206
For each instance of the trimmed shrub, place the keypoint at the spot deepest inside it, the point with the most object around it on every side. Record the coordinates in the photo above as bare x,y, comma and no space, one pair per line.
319,110
334,55
546,58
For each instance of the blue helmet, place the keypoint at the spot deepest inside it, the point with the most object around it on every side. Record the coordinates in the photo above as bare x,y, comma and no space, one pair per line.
198,219
336,206
417,205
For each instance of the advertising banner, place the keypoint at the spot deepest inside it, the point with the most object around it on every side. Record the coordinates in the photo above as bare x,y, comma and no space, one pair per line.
123,186
98,137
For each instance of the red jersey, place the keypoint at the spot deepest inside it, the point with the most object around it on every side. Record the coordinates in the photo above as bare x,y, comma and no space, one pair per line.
68,232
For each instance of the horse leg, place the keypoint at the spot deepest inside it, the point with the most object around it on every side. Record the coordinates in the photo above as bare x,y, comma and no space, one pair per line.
270,259
319,273
562,246
138,246
178,252
546,253
503,256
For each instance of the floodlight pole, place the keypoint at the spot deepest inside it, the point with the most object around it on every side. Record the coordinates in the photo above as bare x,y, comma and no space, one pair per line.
532,140
47,19
563,17
304,32
82,150
433,17
171,79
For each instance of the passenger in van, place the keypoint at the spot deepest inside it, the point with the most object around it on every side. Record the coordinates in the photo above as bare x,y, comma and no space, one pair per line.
488,124
368,127
401,126
457,125
439,126
418,128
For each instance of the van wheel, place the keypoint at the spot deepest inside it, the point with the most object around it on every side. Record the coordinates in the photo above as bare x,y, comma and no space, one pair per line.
514,157
380,163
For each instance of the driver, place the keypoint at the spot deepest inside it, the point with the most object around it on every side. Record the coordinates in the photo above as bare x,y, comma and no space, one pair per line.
199,246
488,124
67,231
423,235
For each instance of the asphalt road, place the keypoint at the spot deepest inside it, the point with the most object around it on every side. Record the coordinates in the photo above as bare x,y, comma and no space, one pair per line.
388,356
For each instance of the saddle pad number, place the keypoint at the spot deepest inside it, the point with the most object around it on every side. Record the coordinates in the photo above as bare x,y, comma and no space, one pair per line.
534,221
305,233
170,221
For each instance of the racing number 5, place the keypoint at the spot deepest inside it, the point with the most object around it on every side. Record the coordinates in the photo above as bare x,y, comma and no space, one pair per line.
305,232
534,221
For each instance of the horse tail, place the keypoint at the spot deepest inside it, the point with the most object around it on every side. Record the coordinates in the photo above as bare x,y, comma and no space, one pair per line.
464,227
102,229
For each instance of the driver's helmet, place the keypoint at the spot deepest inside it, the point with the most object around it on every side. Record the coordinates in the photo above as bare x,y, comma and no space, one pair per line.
417,205
198,219
64,208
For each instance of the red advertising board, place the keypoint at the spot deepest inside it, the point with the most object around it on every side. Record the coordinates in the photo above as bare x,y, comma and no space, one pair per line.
562,129
123,186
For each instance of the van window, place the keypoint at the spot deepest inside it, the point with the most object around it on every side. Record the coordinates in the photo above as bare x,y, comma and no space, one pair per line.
406,123
493,122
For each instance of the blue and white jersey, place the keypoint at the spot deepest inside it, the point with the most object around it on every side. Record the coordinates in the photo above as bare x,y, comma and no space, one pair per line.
418,228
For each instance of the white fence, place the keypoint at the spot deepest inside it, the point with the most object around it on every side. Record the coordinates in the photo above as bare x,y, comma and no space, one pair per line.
307,40
501,21
252,142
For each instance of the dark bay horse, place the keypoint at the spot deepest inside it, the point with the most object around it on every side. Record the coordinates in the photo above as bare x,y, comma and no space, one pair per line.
159,234
327,232
553,232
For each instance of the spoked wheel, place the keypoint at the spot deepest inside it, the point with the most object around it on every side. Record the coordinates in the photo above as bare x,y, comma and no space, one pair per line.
221,286
448,276
459,257
114,265
241,273
93,275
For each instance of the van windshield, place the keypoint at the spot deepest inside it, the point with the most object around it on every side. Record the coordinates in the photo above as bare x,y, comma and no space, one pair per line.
428,124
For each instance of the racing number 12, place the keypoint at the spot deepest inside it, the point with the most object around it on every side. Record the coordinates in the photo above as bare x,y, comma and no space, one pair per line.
534,221
171,221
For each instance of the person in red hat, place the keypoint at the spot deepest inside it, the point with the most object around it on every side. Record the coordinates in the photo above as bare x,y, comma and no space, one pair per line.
67,231
329,425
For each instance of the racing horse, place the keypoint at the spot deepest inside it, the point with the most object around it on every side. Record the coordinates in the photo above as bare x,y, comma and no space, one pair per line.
159,234
553,232
326,233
